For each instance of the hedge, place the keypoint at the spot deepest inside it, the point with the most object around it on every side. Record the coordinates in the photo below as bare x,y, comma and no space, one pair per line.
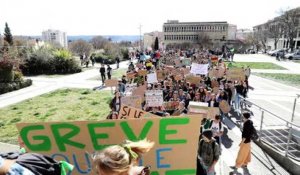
15,85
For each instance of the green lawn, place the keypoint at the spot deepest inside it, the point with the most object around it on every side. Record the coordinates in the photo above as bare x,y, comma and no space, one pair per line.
115,74
256,65
60,105
291,79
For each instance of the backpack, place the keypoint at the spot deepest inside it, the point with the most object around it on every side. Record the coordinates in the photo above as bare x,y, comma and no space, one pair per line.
254,135
38,164
213,147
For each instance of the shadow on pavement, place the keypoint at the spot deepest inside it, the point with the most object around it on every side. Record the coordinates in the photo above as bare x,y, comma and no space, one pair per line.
226,141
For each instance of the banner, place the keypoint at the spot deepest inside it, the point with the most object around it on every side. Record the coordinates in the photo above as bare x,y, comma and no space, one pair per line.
111,82
201,69
174,152
133,101
154,98
235,74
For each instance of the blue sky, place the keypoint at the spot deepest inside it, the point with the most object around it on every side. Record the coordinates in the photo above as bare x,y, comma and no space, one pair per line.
122,17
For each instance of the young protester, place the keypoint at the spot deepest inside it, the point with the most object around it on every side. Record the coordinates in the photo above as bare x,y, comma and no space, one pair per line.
208,154
122,159
109,72
244,154
217,128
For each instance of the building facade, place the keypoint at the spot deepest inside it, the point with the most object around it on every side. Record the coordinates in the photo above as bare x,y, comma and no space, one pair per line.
273,30
55,37
180,32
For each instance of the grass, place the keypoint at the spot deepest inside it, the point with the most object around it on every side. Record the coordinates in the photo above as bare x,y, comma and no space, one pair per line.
291,79
60,105
257,65
115,74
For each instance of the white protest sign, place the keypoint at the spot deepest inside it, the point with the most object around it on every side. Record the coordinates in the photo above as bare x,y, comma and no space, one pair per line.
201,69
154,98
152,78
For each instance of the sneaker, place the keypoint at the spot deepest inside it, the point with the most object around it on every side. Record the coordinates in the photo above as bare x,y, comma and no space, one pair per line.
233,167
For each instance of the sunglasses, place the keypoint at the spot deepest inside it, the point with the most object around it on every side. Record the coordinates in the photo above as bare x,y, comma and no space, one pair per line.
145,171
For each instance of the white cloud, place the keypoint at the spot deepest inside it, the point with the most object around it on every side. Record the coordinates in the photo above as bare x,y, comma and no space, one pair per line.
103,17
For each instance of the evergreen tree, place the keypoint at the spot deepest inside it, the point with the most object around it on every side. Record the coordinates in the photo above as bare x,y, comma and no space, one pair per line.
7,35
156,47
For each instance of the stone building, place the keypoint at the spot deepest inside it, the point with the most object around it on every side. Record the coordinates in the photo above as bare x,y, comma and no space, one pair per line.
180,32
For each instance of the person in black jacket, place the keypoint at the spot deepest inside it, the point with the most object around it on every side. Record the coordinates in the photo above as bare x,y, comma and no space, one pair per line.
109,72
244,155
102,73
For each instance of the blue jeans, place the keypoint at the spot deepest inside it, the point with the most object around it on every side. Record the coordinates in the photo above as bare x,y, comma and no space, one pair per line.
209,173
237,102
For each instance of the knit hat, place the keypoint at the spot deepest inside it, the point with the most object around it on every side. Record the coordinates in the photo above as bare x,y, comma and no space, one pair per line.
208,134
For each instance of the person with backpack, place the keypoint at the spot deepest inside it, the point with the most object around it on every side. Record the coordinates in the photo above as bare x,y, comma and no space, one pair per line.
244,154
208,154
16,163
217,128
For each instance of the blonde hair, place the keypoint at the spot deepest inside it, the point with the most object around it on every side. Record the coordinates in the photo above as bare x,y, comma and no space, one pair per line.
119,158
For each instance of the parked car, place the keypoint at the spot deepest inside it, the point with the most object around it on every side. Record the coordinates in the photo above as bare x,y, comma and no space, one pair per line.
271,52
293,56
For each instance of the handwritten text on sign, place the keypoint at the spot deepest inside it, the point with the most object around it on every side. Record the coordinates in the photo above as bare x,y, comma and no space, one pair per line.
72,141
154,98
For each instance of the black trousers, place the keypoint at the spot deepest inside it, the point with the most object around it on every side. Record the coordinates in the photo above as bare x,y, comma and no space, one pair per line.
103,78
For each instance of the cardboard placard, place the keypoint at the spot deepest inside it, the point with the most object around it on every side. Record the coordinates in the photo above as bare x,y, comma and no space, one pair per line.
186,62
131,75
193,79
234,74
142,72
178,77
197,107
140,90
171,105
185,71
224,106
177,62
129,112
111,82
213,73
202,108
161,75
152,78
154,98
75,141
132,101
201,69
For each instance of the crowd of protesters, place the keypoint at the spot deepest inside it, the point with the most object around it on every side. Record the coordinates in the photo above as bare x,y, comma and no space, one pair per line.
179,91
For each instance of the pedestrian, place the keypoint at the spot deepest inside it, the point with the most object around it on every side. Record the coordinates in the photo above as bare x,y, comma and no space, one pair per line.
122,159
92,59
244,154
118,62
208,154
102,73
109,72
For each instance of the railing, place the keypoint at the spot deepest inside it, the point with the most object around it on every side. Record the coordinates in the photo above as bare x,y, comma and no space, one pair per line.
274,130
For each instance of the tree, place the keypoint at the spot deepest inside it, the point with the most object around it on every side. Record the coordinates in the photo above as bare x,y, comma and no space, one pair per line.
260,38
204,40
290,21
7,35
99,42
156,47
81,47
275,31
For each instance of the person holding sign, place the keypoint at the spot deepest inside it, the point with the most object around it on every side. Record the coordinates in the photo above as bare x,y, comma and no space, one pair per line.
122,159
